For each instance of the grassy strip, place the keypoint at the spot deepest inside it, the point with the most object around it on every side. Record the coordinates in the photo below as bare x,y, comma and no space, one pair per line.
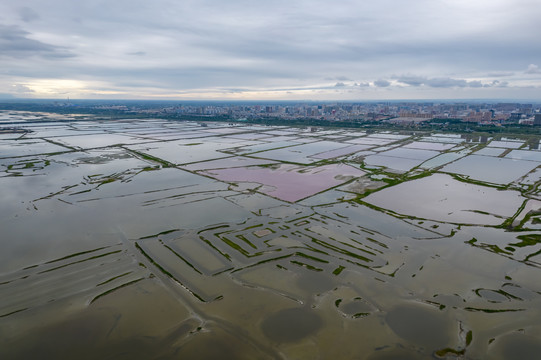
227,256
307,266
114,278
80,261
235,246
490,311
163,163
262,262
114,289
158,234
167,272
181,258
311,257
248,242
154,262
76,254
341,251
449,351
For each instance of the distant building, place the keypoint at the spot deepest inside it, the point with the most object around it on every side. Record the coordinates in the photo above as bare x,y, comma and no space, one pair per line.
537,120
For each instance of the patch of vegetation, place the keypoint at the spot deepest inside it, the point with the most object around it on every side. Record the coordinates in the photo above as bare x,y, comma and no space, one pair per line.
449,351
528,240
360,315
107,181
338,270
469,338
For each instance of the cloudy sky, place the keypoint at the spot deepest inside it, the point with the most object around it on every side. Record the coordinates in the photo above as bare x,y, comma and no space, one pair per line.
272,49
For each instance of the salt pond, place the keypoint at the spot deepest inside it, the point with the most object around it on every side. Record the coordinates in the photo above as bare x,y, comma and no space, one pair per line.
491,169
442,198
163,239
290,182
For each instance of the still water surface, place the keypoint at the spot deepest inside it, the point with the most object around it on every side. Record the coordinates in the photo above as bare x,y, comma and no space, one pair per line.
121,245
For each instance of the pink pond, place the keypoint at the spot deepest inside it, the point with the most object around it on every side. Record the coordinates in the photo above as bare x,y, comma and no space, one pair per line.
290,182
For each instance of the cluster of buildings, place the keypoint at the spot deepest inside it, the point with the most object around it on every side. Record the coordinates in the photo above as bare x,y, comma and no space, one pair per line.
396,112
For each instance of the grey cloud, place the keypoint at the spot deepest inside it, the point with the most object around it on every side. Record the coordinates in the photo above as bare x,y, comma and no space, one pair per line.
476,84
14,42
443,82
500,74
382,83
28,15
411,80
363,84
137,53
339,78
339,84
21,89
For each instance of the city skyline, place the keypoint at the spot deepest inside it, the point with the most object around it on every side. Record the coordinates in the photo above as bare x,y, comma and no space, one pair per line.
272,51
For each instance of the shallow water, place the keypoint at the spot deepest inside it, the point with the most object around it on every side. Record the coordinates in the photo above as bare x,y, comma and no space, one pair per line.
305,153
290,182
117,252
489,169
440,197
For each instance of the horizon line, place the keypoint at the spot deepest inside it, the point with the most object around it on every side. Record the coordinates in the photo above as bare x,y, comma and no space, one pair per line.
511,100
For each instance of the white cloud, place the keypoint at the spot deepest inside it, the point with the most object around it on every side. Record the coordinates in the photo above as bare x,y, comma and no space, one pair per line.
533,69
